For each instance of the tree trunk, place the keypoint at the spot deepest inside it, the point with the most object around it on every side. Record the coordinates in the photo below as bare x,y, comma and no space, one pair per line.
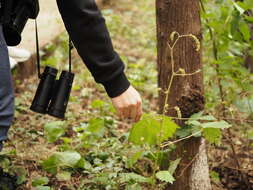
183,16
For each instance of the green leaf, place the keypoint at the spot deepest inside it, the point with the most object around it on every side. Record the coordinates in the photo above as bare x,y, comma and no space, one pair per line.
196,116
215,176
184,131
51,164
245,30
43,188
240,9
200,116
61,159
21,173
216,124
246,4
135,186
96,126
250,135
97,104
152,130
84,164
40,181
68,158
165,176
134,158
127,177
63,176
213,135
249,18
54,130
173,166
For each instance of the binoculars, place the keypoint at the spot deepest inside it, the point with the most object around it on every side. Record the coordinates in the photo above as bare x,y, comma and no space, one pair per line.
52,95
17,13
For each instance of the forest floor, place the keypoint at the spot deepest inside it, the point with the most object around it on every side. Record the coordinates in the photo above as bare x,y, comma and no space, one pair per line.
31,144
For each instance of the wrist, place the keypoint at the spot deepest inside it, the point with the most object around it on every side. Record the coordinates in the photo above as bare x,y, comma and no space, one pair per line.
117,85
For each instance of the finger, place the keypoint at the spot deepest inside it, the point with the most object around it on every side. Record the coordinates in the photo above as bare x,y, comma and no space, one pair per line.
133,111
127,112
120,112
139,111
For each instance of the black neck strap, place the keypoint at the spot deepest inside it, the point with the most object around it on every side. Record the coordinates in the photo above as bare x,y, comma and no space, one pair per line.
38,51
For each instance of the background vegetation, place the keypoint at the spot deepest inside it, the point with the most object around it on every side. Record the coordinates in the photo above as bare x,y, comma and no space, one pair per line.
91,149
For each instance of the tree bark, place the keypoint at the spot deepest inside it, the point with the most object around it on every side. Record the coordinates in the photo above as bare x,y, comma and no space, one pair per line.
183,16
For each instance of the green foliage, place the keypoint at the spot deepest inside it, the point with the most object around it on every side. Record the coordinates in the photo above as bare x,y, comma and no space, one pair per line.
59,160
54,130
213,135
40,181
152,130
165,176
208,125
173,166
128,177
215,176
94,149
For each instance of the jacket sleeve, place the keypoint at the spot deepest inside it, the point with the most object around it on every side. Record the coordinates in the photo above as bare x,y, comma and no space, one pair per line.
87,29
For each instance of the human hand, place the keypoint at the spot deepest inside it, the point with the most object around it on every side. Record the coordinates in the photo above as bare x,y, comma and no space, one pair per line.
128,104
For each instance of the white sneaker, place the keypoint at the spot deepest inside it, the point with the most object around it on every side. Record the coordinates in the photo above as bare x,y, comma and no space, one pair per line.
13,62
20,55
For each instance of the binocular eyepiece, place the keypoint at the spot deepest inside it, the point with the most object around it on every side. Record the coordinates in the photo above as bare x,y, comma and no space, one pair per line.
52,95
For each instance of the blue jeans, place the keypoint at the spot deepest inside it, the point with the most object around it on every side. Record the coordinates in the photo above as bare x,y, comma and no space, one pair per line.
6,90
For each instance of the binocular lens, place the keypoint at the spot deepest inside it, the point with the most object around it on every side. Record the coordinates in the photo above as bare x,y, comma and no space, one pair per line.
52,95
60,98
44,91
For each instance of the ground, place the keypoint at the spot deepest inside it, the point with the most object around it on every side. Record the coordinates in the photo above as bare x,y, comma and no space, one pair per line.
132,26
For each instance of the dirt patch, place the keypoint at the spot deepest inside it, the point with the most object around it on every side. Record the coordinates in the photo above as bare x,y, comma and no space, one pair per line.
233,179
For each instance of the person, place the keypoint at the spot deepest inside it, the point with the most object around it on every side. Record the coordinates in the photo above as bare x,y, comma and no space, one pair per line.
87,29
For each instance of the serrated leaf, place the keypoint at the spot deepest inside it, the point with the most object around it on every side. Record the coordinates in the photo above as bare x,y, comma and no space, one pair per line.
173,166
213,135
40,181
54,130
165,176
216,124
152,130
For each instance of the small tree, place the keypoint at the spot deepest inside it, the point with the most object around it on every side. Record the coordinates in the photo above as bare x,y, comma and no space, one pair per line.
186,92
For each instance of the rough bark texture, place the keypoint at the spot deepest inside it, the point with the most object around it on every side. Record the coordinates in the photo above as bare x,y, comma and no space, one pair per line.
183,16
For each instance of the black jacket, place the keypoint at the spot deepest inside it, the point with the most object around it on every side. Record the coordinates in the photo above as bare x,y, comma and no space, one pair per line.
87,29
